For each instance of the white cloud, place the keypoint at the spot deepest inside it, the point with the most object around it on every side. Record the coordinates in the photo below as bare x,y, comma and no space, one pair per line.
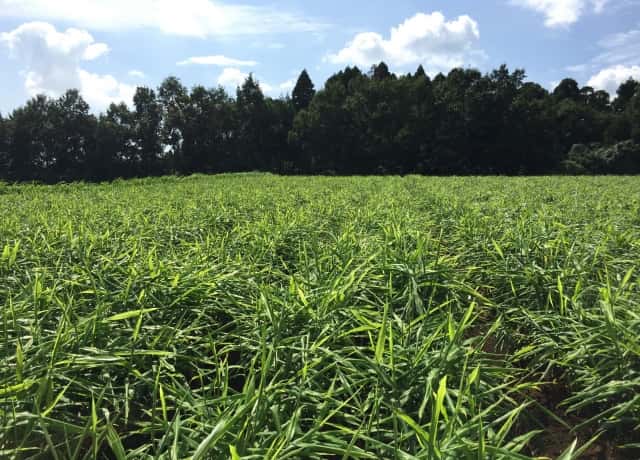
137,74
562,13
52,63
74,44
609,79
287,86
217,60
424,38
101,90
232,77
94,51
201,18
617,61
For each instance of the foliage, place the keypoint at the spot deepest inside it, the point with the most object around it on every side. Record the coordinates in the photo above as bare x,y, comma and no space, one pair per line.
147,141
4,143
625,93
358,123
261,317
303,92
634,116
620,158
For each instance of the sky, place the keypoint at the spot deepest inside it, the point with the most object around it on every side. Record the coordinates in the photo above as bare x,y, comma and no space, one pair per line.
106,48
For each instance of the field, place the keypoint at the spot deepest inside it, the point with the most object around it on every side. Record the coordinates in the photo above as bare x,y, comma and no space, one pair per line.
260,317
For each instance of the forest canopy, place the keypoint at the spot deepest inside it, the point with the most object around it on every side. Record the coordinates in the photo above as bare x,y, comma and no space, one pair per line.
359,122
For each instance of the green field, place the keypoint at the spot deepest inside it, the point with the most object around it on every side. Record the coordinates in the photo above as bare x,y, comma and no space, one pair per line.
261,317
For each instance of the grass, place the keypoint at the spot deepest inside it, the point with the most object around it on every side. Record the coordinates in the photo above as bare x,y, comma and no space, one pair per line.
258,317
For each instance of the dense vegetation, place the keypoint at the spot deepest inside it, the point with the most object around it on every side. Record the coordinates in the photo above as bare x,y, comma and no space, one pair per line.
376,123
259,317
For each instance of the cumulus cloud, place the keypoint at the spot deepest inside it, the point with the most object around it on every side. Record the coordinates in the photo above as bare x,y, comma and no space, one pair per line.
73,44
217,60
617,61
424,38
562,13
609,79
52,61
102,90
94,51
232,77
200,18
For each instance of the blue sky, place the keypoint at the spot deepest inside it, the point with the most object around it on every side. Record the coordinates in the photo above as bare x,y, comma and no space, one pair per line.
107,47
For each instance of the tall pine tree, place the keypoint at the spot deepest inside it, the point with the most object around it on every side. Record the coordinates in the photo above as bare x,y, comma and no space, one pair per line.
420,73
381,72
303,92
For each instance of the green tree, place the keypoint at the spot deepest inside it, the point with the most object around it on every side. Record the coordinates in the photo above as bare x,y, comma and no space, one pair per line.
576,124
634,116
280,121
567,89
533,131
348,77
30,153
303,92
381,72
4,147
320,134
252,126
174,101
625,93
417,132
73,136
464,122
116,153
210,134
452,151
420,73
618,128
597,100
148,118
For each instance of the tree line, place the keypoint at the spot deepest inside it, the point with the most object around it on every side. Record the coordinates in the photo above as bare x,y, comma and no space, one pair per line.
371,122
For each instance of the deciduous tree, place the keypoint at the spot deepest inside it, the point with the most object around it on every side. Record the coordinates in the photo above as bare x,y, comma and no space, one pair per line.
148,118
174,101
625,93
73,136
